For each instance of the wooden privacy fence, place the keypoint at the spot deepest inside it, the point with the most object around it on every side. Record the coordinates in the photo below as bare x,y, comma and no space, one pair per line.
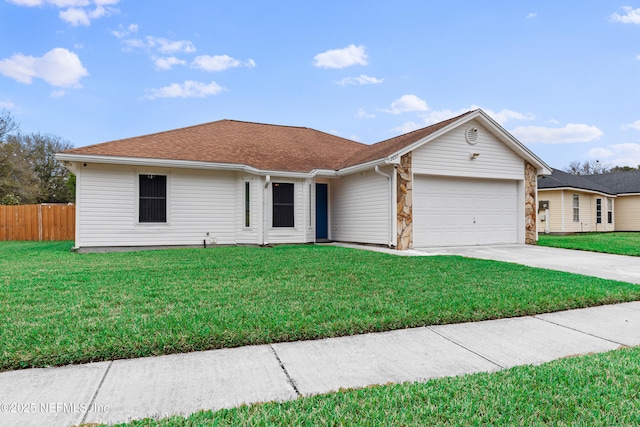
38,222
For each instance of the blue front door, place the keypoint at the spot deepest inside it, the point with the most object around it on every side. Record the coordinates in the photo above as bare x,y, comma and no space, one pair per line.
322,212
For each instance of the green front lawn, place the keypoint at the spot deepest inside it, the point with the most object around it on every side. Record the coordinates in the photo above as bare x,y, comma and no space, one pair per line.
611,243
59,307
594,390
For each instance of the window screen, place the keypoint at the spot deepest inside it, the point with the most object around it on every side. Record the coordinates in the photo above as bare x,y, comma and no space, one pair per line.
153,198
282,204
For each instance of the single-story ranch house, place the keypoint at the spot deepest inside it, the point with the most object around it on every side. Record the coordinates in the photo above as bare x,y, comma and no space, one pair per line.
463,181
580,203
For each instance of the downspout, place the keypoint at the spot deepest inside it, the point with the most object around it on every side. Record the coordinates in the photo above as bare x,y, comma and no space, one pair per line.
391,204
265,209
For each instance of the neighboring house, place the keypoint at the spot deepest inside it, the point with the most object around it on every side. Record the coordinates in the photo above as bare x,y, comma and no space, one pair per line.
463,181
580,203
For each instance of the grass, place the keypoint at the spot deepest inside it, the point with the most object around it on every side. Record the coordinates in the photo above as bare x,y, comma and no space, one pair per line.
611,243
594,390
60,308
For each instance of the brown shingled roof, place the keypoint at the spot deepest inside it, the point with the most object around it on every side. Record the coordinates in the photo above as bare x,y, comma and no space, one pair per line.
262,146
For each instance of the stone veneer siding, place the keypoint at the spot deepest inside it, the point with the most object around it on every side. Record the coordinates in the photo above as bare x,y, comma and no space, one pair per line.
405,203
530,179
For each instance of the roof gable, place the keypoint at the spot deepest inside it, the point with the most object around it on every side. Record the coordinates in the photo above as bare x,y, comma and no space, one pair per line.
391,146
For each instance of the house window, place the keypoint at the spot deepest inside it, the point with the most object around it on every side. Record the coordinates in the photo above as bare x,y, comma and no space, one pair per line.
247,204
598,211
576,208
282,204
153,198
609,211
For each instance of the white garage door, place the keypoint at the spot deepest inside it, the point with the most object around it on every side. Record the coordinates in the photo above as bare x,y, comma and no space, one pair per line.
455,211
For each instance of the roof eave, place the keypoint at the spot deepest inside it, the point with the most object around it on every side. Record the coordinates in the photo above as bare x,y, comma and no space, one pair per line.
362,167
583,190
182,164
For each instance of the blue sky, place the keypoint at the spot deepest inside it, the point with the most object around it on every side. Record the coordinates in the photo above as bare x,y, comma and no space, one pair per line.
562,76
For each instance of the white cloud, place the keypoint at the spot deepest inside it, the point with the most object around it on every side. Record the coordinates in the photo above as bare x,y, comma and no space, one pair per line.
75,17
571,133
165,63
635,125
503,116
407,103
188,89
360,80
435,116
123,32
630,16
341,58
600,153
220,63
532,15
618,154
77,12
57,3
160,44
361,114
58,67
407,127
58,93
7,104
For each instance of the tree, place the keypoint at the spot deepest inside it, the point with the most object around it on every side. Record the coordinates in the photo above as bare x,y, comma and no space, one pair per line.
51,175
16,174
29,171
624,168
7,124
587,168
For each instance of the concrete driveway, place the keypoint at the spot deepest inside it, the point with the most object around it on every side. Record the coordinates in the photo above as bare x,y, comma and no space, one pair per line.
615,267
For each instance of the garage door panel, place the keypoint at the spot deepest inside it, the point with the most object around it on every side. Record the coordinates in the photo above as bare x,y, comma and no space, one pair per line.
452,211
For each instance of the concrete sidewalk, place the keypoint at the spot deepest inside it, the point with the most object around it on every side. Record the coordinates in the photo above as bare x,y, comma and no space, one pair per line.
123,390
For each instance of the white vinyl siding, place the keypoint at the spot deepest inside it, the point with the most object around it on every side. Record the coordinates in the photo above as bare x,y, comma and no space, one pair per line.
197,204
457,211
248,235
449,155
359,208
297,233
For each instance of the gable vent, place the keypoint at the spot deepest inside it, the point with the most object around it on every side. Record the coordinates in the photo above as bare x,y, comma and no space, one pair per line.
471,135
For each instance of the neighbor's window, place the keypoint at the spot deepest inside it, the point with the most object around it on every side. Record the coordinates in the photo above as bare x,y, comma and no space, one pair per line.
576,208
610,211
598,211
247,204
282,204
153,198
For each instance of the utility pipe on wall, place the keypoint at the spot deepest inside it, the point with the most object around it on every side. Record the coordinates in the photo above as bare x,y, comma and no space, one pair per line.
265,209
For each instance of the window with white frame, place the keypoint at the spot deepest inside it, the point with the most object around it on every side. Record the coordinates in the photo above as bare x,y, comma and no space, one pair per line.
609,211
598,211
576,208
